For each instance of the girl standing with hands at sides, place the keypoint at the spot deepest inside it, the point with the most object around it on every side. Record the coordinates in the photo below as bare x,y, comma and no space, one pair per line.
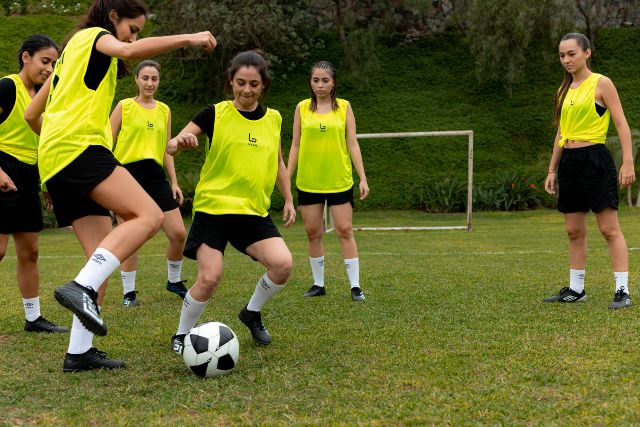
141,127
587,178
323,146
20,210
232,199
84,179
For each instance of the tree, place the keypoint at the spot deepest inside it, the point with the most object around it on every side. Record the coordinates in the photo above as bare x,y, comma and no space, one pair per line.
505,34
598,13
268,25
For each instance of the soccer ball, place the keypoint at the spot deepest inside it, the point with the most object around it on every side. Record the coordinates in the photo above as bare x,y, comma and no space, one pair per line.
211,349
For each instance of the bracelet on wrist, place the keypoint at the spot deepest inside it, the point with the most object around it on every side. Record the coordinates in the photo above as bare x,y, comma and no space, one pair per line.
552,171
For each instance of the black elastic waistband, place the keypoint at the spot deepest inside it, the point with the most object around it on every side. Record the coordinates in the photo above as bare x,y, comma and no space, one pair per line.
580,150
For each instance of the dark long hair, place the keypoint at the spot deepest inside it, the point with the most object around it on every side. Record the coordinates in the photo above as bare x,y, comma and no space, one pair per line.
251,58
328,66
33,44
98,16
584,44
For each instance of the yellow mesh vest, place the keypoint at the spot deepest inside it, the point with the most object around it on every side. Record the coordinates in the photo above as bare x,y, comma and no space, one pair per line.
241,167
76,117
143,132
324,163
579,120
16,137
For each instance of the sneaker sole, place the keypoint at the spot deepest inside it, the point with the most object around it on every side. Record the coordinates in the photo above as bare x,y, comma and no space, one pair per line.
73,370
87,321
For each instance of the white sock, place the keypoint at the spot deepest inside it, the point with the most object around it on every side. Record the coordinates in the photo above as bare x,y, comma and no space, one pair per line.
128,281
80,338
576,280
353,271
99,267
265,290
317,269
31,308
191,312
622,281
174,270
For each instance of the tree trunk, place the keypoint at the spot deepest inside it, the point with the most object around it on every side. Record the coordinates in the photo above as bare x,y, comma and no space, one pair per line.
342,36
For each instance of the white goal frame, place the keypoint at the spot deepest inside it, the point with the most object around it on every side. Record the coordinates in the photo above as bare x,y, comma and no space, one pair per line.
328,220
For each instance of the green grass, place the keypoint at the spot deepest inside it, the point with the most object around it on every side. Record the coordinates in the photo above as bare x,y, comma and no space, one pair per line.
453,331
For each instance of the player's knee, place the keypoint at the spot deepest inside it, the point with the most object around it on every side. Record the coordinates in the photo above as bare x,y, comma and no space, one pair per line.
610,233
344,231
209,281
314,233
282,267
29,256
575,233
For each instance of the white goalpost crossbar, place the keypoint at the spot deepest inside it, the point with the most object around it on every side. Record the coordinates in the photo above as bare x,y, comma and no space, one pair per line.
328,220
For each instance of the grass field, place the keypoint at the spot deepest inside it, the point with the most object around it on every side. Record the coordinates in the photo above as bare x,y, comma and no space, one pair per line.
453,331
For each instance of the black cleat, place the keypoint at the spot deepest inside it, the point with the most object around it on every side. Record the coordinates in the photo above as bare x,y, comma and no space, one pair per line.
567,295
357,294
315,291
621,299
82,302
253,321
130,299
177,343
89,361
43,325
177,288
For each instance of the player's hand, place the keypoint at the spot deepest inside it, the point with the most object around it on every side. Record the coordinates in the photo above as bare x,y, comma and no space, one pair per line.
177,194
6,184
184,141
364,189
289,214
48,201
205,40
627,175
550,183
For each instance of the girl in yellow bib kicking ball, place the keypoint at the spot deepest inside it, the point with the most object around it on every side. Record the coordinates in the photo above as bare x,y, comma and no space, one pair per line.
587,178
233,196
141,127
75,161
323,146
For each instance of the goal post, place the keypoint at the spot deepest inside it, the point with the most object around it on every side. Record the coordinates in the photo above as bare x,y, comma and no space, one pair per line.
328,220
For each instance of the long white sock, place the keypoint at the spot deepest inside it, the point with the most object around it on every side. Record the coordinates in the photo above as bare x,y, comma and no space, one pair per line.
317,269
80,338
99,267
128,281
191,312
622,281
576,280
353,271
31,308
174,270
265,290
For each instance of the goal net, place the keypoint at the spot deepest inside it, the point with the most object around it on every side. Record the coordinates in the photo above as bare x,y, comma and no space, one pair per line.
328,220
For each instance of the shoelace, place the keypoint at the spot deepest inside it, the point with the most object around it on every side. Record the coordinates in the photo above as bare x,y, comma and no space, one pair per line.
46,322
101,354
563,290
620,295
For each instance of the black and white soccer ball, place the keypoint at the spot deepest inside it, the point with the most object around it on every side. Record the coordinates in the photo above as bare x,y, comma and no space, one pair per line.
211,349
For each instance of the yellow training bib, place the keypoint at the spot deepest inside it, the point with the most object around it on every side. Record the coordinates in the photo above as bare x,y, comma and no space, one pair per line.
241,167
16,137
143,132
324,163
579,120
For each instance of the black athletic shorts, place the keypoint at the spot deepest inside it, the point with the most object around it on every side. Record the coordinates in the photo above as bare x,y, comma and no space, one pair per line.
153,180
20,211
69,189
587,179
306,198
216,231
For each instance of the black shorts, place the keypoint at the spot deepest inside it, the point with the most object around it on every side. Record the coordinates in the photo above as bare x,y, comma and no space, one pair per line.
69,189
153,180
587,179
306,198
20,211
216,231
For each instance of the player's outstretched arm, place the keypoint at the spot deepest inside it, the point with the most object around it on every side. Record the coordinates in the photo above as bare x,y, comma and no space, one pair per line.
152,46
